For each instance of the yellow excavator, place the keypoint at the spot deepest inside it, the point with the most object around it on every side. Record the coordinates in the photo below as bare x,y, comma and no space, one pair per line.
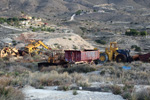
114,53
32,48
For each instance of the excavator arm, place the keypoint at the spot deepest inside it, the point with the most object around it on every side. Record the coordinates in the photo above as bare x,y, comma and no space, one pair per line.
30,48
41,43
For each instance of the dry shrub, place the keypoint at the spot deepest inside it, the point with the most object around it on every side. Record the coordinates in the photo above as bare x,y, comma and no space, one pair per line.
81,68
54,78
77,77
48,69
83,83
116,89
9,93
126,95
142,95
64,88
95,78
80,80
20,69
49,79
5,81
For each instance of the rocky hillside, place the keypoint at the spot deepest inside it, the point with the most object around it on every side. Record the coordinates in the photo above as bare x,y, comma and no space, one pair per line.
61,6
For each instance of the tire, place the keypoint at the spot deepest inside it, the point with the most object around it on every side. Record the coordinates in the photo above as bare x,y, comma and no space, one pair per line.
121,58
103,58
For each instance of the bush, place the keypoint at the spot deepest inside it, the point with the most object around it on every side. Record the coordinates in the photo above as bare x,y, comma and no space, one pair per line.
133,32
143,95
143,33
83,84
100,42
126,95
65,88
9,93
116,89
49,79
75,92
82,68
78,12
136,48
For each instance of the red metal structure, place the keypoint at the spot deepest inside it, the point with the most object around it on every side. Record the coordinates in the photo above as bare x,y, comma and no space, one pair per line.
73,56
145,57
142,57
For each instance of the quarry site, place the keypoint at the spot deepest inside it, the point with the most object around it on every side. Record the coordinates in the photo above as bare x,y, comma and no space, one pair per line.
75,50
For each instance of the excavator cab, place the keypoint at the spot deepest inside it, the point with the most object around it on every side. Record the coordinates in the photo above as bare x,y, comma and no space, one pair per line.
113,46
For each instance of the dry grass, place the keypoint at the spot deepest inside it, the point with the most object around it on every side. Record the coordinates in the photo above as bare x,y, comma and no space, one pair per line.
139,73
49,79
54,78
142,95
80,68
9,93
5,81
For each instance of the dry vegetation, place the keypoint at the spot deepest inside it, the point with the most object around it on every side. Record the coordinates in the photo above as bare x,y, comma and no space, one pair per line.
14,76
7,91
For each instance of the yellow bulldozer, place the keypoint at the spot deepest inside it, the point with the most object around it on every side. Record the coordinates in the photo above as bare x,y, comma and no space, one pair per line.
113,53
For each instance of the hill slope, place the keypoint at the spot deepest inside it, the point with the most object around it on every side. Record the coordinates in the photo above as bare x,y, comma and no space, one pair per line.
61,6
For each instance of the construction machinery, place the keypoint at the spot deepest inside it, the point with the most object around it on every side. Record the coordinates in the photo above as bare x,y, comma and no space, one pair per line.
55,57
142,57
9,51
114,53
32,48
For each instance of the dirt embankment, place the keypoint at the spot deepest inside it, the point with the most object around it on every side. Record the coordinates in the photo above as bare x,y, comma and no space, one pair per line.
57,40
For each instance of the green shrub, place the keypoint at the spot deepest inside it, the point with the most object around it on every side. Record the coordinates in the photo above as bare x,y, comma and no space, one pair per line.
126,95
75,92
100,42
75,47
66,88
134,32
78,12
143,33
136,48
102,72
133,46
83,29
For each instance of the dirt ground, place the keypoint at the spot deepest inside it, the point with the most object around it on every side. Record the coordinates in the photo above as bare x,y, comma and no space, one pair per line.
51,94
